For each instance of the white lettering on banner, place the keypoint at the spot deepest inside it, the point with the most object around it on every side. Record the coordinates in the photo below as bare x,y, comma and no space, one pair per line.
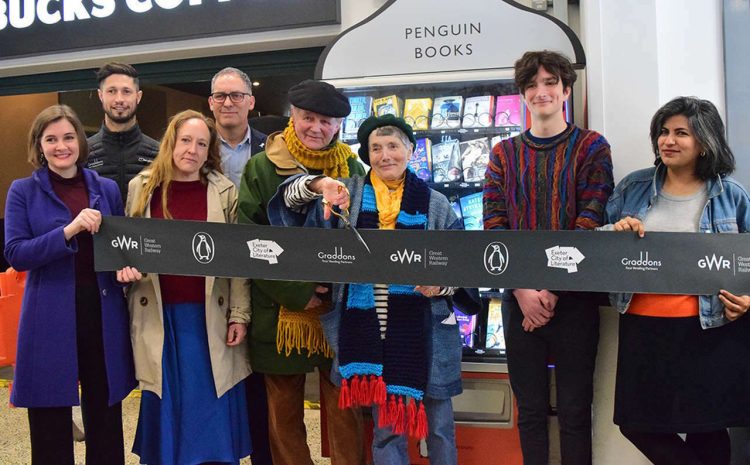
139,6
168,4
714,263
44,15
265,250
20,14
124,243
103,8
642,263
74,10
338,256
566,258
18,21
406,255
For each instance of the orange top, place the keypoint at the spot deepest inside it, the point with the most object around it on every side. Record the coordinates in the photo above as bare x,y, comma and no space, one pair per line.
664,305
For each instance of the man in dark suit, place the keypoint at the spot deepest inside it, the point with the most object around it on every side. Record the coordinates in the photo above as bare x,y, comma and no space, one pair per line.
231,101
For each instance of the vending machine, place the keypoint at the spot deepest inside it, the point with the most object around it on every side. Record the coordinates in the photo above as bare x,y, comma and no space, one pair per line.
446,67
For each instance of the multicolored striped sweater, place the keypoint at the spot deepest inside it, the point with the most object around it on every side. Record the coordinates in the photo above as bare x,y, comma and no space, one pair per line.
562,184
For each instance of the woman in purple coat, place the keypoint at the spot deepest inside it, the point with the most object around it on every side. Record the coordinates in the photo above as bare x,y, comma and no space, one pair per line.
74,321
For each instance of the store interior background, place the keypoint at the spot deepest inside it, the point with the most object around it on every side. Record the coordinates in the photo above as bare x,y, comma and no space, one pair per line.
639,56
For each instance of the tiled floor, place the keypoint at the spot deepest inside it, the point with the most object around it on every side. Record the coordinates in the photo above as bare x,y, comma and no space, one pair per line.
14,432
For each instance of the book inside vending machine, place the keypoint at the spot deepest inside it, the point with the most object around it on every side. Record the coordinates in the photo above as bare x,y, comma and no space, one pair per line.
446,67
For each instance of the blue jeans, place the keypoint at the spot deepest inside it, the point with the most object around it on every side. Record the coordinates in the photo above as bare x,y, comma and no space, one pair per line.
391,449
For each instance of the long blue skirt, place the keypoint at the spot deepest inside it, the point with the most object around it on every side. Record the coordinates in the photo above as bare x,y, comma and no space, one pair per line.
189,425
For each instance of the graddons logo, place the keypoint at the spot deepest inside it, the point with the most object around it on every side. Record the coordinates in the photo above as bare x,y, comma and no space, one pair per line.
203,247
337,256
642,263
125,243
496,258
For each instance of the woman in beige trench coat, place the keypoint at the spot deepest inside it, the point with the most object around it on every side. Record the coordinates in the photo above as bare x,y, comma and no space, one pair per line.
188,332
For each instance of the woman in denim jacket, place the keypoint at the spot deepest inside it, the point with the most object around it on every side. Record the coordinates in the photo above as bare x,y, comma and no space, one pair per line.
681,367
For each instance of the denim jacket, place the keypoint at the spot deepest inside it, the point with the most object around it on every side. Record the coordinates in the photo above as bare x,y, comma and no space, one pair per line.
727,211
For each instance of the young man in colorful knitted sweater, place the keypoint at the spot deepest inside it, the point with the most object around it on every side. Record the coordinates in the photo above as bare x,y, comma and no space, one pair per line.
554,176
285,337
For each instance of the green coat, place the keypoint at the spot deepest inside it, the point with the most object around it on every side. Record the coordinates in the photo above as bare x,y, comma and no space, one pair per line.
263,174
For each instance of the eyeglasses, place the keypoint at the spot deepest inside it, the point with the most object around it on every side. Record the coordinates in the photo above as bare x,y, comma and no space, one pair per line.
235,97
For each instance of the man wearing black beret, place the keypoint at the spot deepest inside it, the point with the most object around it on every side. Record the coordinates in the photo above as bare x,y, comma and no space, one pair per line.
285,338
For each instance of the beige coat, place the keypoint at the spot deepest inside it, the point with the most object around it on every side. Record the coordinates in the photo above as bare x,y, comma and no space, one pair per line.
227,301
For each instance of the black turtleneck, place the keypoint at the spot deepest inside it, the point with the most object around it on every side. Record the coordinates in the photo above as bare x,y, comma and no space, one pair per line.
75,196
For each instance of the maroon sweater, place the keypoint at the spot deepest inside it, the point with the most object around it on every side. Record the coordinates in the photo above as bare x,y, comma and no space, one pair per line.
186,201
75,196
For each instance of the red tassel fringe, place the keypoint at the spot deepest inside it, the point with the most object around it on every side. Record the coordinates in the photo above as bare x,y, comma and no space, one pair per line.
344,395
421,422
399,425
411,412
355,391
379,394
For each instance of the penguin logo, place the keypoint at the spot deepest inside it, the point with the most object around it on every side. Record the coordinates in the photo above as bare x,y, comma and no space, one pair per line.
496,258
203,247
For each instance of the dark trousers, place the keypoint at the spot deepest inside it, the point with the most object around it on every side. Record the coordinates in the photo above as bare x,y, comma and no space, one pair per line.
710,448
52,428
257,412
570,341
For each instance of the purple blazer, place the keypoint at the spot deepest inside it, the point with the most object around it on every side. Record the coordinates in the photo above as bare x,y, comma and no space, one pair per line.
46,363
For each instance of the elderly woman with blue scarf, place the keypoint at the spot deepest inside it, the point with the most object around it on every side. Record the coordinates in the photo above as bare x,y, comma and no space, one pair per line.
398,348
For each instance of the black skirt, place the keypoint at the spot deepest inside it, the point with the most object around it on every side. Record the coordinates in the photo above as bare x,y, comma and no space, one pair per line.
674,377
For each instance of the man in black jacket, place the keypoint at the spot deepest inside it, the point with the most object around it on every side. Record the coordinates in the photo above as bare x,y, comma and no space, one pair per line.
120,150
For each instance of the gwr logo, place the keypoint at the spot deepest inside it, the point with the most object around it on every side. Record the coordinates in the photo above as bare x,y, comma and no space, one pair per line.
409,256
714,263
125,243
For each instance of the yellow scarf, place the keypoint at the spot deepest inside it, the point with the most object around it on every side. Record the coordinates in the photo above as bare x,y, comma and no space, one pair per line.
332,161
388,196
298,331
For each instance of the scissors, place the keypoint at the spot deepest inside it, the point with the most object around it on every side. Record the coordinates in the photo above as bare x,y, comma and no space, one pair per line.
343,215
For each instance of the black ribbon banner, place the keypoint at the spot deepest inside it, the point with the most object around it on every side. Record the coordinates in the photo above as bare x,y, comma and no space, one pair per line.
673,263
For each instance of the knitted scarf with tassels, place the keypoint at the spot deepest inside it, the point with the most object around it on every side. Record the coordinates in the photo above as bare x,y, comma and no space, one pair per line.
390,373
332,161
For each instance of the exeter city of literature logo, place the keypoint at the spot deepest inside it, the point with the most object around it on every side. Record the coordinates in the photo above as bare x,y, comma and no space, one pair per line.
261,249
203,247
566,258
644,262
338,256
496,258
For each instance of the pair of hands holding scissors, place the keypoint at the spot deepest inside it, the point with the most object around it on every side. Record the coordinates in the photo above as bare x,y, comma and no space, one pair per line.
734,305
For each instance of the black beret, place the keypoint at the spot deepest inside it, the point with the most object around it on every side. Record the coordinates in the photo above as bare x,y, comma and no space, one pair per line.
319,97
374,122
